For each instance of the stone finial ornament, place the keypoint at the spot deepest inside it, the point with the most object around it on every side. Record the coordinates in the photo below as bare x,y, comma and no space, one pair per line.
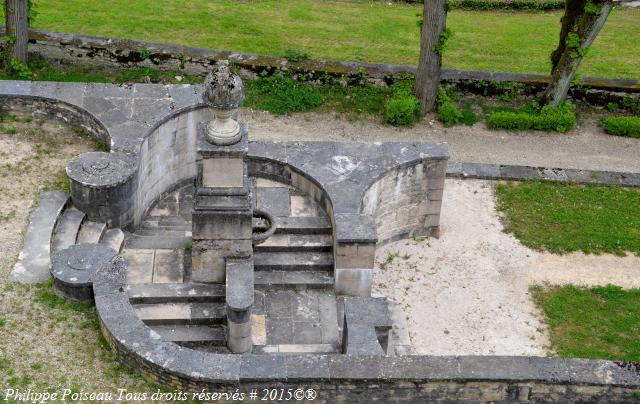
224,93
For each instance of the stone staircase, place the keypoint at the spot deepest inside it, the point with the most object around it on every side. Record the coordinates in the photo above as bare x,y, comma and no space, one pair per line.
299,255
74,228
188,314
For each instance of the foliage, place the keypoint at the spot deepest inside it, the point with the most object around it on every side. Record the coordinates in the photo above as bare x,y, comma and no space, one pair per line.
401,111
467,116
142,74
294,55
281,94
560,119
622,126
448,114
20,70
574,42
441,45
403,108
597,323
526,5
563,217
591,9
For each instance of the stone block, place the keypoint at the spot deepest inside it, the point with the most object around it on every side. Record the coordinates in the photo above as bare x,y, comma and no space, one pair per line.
221,225
208,258
223,172
353,281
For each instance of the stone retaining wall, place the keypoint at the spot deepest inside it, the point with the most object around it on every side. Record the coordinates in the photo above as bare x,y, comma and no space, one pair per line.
355,379
197,61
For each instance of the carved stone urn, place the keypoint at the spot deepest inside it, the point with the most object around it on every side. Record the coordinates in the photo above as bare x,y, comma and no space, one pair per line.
224,94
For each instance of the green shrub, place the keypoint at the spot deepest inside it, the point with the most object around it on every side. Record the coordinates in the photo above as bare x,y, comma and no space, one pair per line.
559,119
281,95
622,126
401,110
510,120
448,114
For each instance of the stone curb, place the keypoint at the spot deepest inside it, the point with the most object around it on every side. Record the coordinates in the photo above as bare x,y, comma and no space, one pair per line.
513,172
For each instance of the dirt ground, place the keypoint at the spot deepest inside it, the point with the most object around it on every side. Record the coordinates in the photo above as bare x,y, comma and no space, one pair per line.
466,293
44,344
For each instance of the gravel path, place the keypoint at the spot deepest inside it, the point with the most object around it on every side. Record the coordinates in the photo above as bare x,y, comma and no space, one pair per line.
466,293
585,147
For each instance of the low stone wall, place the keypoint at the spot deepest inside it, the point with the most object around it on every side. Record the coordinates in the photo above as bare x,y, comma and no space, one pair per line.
197,61
354,379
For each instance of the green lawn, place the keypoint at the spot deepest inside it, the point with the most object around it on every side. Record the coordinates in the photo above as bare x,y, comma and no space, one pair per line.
597,323
376,32
561,217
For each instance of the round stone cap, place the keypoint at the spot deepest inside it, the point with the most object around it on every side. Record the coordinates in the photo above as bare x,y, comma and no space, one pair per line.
78,264
100,169
223,89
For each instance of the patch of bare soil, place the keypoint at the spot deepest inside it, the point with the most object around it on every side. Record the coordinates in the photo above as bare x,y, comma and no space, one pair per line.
467,293
44,342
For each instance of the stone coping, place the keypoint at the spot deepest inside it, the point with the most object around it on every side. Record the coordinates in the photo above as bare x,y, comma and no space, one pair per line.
139,346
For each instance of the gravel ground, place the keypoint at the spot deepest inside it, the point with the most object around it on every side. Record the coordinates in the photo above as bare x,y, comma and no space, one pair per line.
585,147
466,293
44,343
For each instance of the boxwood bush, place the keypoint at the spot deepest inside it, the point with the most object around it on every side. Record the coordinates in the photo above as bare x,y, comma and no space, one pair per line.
622,126
403,108
560,119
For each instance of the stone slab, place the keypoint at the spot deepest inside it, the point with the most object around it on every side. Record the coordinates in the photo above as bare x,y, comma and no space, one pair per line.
34,260
275,201
140,265
168,266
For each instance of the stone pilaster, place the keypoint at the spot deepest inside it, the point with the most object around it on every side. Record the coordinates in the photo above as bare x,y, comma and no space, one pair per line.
222,215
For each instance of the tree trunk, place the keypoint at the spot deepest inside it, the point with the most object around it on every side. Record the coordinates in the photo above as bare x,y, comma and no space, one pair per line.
434,18
566,59
17,28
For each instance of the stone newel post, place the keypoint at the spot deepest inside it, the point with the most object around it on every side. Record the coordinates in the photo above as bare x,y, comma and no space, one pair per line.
222,217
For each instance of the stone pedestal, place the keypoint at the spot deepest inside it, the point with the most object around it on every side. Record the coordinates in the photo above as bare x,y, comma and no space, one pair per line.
222,216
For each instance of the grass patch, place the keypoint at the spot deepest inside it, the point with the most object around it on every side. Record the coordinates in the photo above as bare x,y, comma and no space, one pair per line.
376,32
596,323
622,126
562,217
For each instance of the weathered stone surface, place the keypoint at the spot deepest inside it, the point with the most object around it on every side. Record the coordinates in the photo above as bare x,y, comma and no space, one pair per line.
66,231
73,269
34,260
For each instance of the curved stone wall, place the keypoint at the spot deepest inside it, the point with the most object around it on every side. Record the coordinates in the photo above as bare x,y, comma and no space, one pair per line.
406,200
338,378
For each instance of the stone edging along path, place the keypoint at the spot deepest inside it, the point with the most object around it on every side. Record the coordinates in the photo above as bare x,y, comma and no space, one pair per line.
512,172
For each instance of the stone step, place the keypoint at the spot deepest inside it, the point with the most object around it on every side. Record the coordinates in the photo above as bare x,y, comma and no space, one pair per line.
296,242
265,280
91,232
67,229
165,233
181,313
34,260
295,349
178,225
114,238
191,335
302,225
157,241
154,293
293,261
